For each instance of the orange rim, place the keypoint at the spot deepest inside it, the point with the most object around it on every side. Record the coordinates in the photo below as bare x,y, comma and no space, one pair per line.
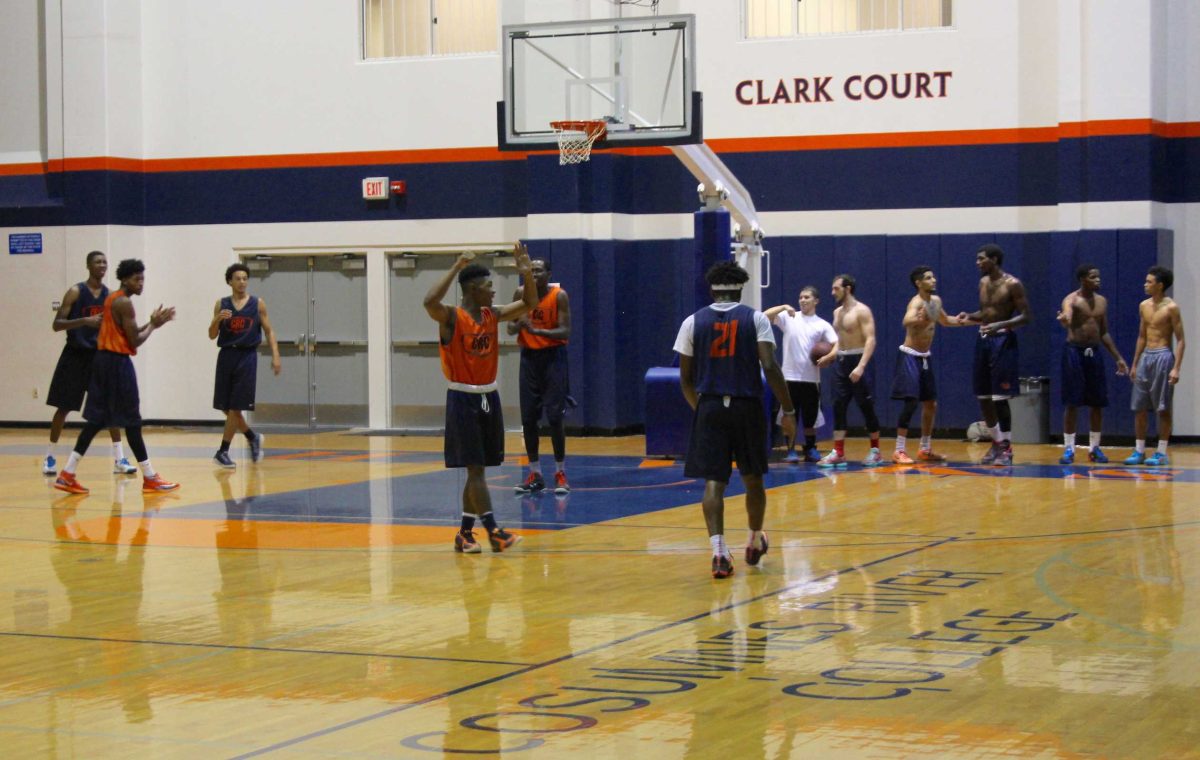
593,128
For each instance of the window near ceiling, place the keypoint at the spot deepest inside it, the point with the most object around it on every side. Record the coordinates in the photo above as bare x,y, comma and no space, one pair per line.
421,28
807,18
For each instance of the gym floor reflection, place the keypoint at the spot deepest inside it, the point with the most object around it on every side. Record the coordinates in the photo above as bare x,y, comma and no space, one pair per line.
311,606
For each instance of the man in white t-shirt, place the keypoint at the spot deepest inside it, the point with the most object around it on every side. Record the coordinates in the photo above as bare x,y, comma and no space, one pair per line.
800,332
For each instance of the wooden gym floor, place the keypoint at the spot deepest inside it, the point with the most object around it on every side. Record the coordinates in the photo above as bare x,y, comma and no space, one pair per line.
311,606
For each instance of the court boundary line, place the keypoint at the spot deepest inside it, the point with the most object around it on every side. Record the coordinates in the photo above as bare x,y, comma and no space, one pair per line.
582,653
250,648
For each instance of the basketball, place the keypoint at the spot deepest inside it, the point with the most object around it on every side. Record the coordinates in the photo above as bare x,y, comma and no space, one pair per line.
819,349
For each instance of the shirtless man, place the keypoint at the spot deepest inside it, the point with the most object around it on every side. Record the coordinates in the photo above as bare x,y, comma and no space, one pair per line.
855,327
1002,308
914,382
1084,381
1155,366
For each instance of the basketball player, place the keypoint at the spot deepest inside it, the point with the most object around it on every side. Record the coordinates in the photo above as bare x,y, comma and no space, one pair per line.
913,382
543,335
855,327
800,333
239,322
1002,308
722,384
1155,365
112,398
1084,313
469,346
79,314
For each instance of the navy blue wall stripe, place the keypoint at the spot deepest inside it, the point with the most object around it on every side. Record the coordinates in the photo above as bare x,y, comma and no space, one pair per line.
1123,168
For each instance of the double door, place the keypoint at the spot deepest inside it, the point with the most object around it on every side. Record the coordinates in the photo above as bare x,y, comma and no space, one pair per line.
318,308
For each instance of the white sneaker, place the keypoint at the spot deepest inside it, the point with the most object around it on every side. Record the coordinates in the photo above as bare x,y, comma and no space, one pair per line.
49,466
874,459
123,467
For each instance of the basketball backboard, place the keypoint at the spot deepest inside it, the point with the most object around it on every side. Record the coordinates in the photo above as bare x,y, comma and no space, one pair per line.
636,74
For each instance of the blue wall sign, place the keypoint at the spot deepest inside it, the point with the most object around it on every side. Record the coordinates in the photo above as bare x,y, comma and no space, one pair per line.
25,242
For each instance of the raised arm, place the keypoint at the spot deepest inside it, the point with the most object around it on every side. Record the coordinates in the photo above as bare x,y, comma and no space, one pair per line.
775,311
269,332
517,325
529,287
438,311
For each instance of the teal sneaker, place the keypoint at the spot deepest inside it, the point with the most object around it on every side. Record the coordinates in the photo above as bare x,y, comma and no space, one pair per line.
1136,457
1157,459
1068,456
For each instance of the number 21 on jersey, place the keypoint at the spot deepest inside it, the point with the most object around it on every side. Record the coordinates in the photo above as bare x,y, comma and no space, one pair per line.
725,343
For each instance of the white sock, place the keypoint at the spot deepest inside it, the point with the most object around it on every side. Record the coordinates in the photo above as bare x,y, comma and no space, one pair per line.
718,545
559,465
1093,440
72,463
756,539
118,451
1006,436
1069,441
996,433
1140,446
535,465
926,443
1162,447
901,442
147,469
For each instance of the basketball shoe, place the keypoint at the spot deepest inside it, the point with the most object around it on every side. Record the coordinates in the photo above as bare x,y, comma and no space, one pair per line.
66,482
722,566
992,453
123,467
1068,456
156,484
501,539
1157,459
464,541
222,459
1004,457
833,459
533,482
49,466
753,553
561,486
1136,457
1097,456
901,457
793,457
256,447
929,455
873,458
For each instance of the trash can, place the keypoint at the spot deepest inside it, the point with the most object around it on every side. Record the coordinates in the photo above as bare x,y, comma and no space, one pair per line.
1031,411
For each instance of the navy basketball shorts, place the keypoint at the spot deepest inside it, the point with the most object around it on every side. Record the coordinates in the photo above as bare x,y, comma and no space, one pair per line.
72,375
236,379
914,378
1084,380
844,389
995,370
474,429
720,434
544,383
112,398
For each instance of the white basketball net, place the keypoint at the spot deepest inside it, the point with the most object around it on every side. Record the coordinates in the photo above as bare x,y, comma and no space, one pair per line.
575,145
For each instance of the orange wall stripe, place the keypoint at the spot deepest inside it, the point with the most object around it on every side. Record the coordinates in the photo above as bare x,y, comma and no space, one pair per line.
1064,130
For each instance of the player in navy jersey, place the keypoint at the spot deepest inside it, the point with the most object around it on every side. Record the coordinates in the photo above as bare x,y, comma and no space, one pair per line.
238,325
79,314
723,349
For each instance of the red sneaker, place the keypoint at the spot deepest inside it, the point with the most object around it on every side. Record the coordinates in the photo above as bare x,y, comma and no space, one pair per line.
561,486
156,484
929,455
66,482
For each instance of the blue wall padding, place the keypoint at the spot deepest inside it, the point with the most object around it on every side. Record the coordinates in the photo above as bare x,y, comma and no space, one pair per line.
629,297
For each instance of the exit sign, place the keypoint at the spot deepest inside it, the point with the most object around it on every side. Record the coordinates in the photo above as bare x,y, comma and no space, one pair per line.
375,189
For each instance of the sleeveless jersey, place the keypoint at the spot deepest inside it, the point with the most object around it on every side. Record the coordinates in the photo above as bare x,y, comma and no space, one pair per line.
85,305
244,328
473,354
111,337
544,316
726,352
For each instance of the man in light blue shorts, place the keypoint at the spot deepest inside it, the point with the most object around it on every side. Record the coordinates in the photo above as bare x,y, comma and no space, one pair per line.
1155,365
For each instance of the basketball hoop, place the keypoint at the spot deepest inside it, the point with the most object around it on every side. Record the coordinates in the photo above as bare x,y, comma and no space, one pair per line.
575,139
